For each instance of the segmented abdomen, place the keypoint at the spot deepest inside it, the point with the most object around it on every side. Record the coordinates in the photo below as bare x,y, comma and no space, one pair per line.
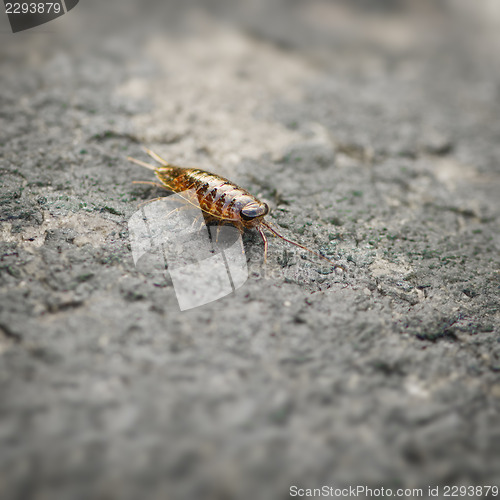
216,195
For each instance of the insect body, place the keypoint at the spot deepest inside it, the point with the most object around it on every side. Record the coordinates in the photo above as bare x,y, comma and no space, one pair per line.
218,197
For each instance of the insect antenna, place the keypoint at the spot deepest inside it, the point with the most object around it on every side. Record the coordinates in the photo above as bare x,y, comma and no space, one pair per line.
156,157
153,155
142,163
270,228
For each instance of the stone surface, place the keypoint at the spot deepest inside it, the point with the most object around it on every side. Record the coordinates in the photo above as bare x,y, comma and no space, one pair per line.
372,130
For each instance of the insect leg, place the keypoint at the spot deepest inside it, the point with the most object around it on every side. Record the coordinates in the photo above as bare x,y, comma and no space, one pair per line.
264,239
178,209
147,202
267,225
197,219
157,184
217,234
219,225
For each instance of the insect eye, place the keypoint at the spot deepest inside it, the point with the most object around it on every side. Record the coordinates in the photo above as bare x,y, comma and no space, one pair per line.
246,216
253,209
250,211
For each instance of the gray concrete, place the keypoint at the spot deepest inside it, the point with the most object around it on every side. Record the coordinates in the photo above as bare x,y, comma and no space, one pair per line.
374,135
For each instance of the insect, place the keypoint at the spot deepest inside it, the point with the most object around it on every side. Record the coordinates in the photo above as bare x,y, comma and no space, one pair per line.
218,197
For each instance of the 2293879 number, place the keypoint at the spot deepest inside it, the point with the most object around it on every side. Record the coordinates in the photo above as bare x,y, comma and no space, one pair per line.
470,491
33,8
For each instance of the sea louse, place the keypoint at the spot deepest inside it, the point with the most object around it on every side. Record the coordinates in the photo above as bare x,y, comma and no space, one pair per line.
219,198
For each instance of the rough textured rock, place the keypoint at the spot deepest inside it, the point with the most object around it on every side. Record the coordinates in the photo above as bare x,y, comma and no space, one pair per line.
374,135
